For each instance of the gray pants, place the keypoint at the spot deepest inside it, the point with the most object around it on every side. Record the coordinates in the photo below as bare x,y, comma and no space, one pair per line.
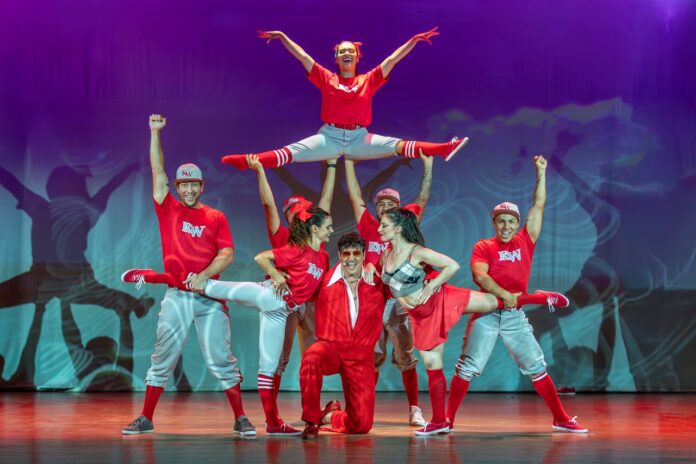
395,326
331,142
302,322
272,316
516,332
179,310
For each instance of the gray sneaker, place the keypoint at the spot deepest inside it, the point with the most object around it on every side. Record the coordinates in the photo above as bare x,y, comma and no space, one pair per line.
139,425
243,427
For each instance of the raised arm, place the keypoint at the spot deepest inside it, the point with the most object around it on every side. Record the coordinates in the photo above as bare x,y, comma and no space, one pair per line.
486,282
269,205
327,190
426,182
389,63
100,198
536,212
15,187
160,183
354,193
294,49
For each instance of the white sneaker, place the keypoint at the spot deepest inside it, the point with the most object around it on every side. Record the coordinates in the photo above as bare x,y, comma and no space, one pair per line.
415,417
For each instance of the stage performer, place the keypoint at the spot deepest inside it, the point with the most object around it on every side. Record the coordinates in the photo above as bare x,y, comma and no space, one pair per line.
501,266
348,315
434,306
395,319
302,320
346,110
195,238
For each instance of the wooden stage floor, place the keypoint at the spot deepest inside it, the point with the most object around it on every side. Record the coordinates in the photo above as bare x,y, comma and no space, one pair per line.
196,427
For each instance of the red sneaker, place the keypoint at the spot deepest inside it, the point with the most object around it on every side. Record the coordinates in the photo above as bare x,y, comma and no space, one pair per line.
570,425
282,430
141,276
431,428
331,406
566,391
456,144
237,161
311,432
554,300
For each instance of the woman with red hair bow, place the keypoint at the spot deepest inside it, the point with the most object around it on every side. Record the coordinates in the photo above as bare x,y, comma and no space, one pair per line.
346,110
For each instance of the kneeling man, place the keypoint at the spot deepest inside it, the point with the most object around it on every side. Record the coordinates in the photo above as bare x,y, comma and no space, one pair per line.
348,317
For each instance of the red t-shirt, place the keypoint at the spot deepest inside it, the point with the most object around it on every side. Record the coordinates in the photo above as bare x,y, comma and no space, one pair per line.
346,100
305,268
509,264
280,238
191,237
367,228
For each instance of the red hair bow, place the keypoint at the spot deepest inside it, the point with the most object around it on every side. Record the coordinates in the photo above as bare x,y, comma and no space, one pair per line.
301,210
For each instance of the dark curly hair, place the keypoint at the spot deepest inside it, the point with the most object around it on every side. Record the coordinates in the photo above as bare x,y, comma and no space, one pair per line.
351,240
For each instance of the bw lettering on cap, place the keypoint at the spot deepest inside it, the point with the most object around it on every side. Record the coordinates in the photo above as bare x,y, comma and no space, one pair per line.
506,208
388,193
188,172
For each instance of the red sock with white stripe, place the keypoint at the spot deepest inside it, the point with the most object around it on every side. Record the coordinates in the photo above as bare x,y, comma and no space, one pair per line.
411,149
547,390
265,384
234,396
437,385
458,389
269,159
276,390
410,379
152,395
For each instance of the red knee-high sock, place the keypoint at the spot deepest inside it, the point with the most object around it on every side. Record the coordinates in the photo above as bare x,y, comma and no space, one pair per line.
268,399
437,385
152,395
411,149
410,379
276,390
234,396
458,389
269,159
547,390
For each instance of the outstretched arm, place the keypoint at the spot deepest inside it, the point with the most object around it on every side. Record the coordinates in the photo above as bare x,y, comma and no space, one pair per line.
266,194
354,193
327,189
102,196
389,63
160,183
448,267
15,187
426,183
536,212
294,49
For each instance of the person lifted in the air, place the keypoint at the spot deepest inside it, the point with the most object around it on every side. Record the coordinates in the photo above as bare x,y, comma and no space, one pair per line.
346,110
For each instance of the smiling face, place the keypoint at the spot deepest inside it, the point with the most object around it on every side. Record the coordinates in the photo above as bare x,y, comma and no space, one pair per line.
324,231
347,58
190,193
385,204
352,259
506,226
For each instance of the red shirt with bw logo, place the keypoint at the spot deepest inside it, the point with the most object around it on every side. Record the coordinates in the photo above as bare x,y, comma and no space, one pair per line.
509,264
305,268
191,237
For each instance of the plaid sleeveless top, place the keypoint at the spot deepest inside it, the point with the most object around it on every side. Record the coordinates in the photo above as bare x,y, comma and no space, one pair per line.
405,278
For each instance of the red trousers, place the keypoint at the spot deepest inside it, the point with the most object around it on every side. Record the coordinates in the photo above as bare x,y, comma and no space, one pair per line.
357,375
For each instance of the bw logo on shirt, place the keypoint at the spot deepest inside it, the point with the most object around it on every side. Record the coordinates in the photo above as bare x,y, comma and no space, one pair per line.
194,231
511,256
376,247
314,271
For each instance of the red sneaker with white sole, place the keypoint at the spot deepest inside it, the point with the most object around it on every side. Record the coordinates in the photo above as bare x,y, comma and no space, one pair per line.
570,426
457,144
141,276
432,428
554,300
282,430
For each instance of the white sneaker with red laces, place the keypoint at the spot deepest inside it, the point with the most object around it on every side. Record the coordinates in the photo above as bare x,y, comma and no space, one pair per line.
432,428
457,144
570,425
555,300
282,430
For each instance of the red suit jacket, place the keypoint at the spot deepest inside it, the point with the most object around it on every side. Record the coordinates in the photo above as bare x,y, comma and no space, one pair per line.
332,313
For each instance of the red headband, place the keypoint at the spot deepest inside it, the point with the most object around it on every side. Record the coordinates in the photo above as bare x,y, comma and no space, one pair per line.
301,209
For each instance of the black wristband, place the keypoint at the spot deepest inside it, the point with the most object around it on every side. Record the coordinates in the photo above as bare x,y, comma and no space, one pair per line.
330,166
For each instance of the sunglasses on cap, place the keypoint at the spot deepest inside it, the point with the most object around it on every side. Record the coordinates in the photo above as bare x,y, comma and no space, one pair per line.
348,253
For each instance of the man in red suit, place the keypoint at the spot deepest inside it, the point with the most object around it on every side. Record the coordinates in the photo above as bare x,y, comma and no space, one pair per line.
348,317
